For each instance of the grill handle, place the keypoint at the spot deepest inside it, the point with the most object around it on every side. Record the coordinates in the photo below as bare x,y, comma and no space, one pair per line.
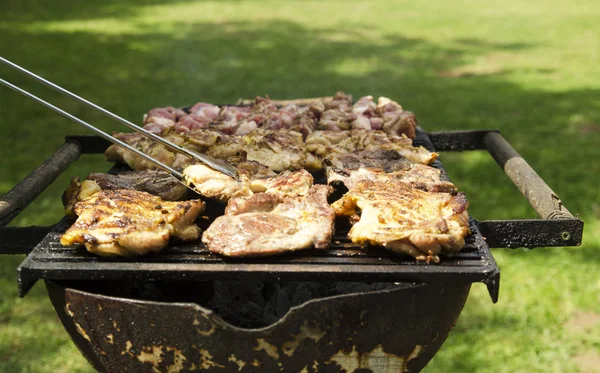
543,199
19,197
557,226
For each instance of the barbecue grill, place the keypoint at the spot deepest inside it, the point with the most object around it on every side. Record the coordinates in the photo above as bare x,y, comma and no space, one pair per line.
392,313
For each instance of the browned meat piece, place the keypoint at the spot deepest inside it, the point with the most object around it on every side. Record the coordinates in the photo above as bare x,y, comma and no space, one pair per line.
216,185
269,223
325,143
155,182
404,219
279,150
129,223
350,168
396,122
380,160
161,119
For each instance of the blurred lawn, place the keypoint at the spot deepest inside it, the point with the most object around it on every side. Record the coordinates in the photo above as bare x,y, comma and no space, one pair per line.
530,69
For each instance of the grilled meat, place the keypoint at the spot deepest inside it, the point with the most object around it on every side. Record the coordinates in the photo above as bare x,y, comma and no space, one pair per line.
279,150
325,143
214,184
404,219
158,183
273,222
350,168
160,120
128,223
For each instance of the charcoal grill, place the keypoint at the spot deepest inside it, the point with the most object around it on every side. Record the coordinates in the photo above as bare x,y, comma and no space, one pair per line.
397,325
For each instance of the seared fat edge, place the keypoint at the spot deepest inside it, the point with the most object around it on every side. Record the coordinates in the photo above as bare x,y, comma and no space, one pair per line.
128,223
404,219
291,214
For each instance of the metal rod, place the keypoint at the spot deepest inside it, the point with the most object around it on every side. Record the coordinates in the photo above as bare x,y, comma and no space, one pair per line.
213,163
541,197
99,132
21,195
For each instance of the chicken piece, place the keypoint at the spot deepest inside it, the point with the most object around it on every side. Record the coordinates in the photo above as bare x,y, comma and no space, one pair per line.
279,150
326,143
380,160
267,224
214,184
155,182
159,120
396,122
158,183
404,219
129,223
350,168
145,145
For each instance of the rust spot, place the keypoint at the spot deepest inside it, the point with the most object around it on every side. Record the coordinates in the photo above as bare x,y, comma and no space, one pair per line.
127,350
116,326
306,332
178,360
99,308
110,339
377,360
270,349
414,353
152,355
81,331
69,312
206,361
255,363
240,363
208,332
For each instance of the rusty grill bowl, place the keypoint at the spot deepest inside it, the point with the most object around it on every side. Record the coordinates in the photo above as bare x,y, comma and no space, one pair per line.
398,329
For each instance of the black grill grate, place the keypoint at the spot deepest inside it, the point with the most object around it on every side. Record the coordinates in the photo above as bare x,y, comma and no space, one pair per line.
344,261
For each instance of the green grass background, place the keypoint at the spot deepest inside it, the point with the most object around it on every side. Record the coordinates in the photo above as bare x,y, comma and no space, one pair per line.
530,69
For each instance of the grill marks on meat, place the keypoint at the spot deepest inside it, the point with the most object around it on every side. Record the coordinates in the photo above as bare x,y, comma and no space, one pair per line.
404,219
288,216
129,223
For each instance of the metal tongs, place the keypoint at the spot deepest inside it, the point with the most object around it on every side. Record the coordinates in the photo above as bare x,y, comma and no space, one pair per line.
215,164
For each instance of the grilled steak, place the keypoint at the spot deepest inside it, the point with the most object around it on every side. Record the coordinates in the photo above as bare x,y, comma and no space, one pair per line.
274,222
127,223
405,219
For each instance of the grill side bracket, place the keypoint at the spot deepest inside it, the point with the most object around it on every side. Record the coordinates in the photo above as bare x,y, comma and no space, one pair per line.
557,226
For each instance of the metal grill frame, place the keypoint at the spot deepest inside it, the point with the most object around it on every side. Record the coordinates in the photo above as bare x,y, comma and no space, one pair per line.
344,261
